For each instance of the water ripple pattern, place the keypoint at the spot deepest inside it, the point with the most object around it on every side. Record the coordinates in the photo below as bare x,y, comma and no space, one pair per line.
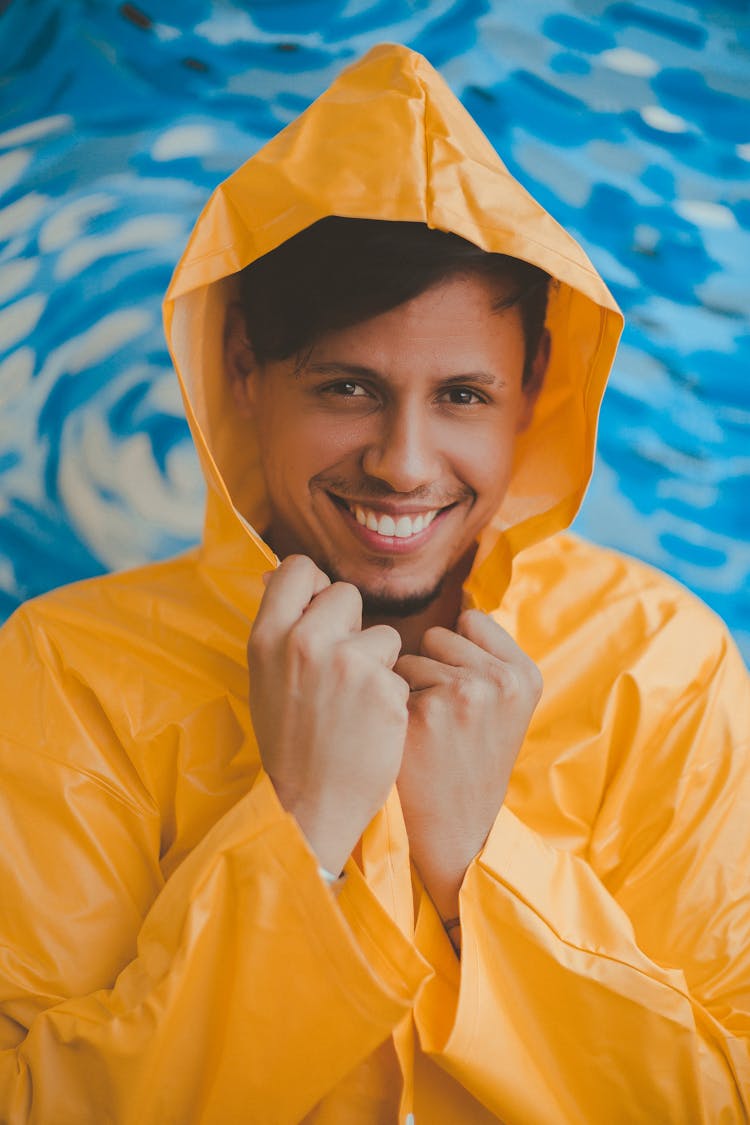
630,121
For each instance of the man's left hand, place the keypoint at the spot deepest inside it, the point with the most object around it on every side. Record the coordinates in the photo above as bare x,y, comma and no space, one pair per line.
473,692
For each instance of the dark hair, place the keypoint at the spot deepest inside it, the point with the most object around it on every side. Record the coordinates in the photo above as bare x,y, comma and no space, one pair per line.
341,271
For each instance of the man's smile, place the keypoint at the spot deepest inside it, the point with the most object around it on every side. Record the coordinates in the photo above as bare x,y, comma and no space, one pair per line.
391,527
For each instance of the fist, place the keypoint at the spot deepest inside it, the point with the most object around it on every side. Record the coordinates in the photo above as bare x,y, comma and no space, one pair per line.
472,695
329,712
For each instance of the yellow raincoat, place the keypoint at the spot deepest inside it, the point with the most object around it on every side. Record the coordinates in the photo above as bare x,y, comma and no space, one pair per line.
168,951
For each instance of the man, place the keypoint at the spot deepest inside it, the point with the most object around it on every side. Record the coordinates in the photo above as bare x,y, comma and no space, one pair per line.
400,883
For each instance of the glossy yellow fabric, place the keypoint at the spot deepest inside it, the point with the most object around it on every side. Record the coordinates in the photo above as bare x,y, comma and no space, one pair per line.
168,951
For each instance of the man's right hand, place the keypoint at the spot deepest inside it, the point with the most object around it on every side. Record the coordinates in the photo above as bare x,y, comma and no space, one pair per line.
329,713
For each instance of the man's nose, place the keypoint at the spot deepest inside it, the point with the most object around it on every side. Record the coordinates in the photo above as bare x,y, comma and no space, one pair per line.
404,454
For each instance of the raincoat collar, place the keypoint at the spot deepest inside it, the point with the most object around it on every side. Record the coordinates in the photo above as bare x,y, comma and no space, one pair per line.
388,140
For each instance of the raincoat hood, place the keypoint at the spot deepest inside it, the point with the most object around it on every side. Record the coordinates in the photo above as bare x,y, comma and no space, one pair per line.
388,140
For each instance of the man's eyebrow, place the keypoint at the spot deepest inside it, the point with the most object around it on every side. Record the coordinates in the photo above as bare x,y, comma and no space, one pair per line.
484,378
359,371
334,367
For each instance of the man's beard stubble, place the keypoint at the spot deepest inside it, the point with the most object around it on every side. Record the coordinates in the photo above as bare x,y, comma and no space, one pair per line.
374,606
380,606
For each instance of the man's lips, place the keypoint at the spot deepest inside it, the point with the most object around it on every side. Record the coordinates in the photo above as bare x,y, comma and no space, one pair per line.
390,525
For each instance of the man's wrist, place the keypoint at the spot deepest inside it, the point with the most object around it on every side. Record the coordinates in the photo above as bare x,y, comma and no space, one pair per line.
319,827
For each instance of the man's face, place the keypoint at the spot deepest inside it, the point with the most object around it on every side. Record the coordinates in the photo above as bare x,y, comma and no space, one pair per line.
390,448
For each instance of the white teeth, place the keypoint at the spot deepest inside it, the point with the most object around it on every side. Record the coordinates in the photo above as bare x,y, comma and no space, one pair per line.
402,528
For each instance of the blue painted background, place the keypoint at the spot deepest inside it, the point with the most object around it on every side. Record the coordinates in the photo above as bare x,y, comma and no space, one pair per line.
629,121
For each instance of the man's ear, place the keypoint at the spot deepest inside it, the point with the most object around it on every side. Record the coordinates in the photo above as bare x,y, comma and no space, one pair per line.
239,359
534,381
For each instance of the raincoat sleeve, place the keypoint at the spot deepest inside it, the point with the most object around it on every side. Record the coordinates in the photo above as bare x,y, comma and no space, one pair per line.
613,986
238,988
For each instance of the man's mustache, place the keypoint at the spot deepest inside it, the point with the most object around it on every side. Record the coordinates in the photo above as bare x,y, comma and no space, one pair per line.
371,489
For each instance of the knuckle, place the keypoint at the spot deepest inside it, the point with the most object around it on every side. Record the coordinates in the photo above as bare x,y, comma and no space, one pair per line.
509,682
303,644
473,624
388,649
472,693
348,588
385,696
292,564
422,709
302,566
520,682
346,663
472,618
390,636
348,593
298,562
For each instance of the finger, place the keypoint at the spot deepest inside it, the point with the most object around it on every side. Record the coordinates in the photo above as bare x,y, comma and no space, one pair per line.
289,590
420,672
452,649
268,574
335,612
380,642
509,658
485,632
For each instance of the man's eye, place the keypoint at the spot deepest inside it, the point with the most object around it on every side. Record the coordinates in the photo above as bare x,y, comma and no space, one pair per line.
463,396
345,389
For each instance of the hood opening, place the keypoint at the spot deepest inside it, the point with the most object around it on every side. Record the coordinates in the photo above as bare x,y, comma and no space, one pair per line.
388,140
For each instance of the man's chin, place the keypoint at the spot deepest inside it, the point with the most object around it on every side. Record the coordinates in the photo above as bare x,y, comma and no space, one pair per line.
383,604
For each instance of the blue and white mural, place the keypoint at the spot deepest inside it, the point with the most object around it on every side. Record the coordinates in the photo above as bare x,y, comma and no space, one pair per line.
630,121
